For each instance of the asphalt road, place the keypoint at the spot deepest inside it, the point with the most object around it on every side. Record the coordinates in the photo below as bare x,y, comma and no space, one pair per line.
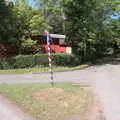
104,79
70,76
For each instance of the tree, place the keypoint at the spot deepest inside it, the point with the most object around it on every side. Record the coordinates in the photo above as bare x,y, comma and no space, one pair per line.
52,11
37,23
8,28
82,20
29,46
86,26
30,21
114,28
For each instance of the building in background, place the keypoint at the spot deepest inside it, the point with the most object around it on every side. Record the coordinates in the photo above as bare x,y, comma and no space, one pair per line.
58,44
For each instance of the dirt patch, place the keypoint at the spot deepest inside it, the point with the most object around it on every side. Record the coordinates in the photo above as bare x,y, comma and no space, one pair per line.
65,103
49,94
61,97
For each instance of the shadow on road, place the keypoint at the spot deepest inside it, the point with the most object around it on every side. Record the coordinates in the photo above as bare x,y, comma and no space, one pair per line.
108,60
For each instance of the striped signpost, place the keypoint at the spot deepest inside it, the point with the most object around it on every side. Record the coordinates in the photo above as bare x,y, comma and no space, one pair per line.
46,33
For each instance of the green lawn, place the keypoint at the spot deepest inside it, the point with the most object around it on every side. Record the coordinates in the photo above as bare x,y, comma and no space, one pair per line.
41,69
46,103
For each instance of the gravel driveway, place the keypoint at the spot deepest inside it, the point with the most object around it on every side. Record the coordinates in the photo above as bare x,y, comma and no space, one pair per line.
104,79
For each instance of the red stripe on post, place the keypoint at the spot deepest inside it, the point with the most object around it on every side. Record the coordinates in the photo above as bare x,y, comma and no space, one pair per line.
49,57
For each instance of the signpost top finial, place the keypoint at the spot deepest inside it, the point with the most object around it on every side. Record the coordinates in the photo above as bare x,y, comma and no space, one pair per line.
46,32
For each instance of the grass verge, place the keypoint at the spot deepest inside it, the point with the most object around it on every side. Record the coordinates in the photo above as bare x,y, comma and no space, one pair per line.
46,103
40,69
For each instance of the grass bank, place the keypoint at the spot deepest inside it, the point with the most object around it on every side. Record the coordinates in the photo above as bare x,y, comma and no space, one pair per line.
46,103
41,69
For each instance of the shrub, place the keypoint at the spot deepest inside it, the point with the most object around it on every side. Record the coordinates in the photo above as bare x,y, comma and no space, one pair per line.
26,61
41,59
6,63
29,46
64,60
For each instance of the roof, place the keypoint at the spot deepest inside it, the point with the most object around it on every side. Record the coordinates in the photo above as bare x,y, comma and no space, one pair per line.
57,36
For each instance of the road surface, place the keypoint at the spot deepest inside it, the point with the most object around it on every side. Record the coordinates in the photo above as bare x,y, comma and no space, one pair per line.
105,79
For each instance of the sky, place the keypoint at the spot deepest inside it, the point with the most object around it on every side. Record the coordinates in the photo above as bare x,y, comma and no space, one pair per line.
32,3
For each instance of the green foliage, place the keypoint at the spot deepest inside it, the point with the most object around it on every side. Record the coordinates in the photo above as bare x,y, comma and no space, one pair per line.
87,24
29,46
114,30
28,61
52,11
24,61
87,27
65,60
6,63
37,23
8,28
30,22
31,19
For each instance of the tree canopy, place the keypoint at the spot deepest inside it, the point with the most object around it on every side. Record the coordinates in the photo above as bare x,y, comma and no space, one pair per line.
87,26
92,27
8,28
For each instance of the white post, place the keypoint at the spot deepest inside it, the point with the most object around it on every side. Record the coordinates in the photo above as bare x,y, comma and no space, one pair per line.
49,57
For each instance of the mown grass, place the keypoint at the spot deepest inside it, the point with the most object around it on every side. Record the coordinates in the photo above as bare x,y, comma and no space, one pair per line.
46,103
41,69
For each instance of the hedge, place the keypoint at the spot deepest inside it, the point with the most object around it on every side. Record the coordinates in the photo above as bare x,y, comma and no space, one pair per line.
7,63
26,61
64,60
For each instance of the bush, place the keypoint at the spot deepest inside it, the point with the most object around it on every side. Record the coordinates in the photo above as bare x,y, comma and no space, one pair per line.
6,63
64,60
29,46
41,60
26,61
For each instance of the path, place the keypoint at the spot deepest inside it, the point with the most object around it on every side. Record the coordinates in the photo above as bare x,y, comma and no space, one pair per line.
105,79
10,111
